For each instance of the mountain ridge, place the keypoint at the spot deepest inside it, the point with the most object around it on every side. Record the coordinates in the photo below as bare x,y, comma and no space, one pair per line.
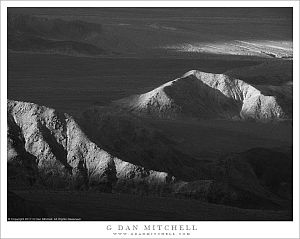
60,151
208,95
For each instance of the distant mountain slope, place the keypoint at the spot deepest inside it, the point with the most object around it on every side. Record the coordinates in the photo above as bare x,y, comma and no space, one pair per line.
52,27
261,48
36,34
207,95
40,45
160,32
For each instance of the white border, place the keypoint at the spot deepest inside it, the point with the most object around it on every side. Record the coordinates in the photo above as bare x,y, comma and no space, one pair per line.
98,229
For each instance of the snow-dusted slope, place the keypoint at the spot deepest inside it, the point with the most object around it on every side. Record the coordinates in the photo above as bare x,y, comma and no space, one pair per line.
208,95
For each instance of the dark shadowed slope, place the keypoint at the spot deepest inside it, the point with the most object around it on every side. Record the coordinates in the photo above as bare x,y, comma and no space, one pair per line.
135,141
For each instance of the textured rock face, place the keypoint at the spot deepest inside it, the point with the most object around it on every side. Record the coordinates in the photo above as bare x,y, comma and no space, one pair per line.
22,168
52,145
207,95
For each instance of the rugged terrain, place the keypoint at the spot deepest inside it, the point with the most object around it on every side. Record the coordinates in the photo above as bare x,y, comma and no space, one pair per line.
113,152
49,148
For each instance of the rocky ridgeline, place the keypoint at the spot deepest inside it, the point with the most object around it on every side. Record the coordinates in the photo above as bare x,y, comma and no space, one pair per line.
212,96
49,147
